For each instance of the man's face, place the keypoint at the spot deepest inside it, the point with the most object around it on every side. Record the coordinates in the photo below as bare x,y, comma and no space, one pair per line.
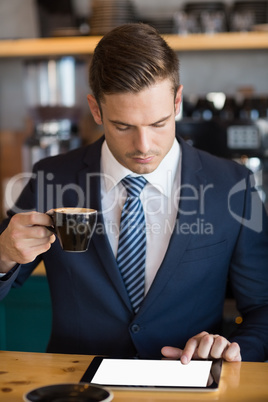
139,128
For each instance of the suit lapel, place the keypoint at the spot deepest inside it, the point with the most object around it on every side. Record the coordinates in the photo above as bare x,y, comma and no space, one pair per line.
89,181
188,213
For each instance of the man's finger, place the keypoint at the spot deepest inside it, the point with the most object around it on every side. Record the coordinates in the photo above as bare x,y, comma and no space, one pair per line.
232,353
219,346
171,352
189,350
206,345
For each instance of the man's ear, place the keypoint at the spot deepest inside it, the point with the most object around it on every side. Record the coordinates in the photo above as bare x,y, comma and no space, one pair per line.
95,110
178,100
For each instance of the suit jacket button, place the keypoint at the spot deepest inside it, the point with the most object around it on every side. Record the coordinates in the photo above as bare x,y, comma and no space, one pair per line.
135,328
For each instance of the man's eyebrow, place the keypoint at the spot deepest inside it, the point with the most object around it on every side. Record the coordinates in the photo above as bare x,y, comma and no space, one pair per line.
131,125
161,120
121,123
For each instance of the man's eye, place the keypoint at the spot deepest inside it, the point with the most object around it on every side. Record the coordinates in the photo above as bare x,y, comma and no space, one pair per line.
122,128
159,125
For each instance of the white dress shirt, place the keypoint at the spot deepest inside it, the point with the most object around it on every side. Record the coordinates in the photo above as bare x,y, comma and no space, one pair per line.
159,198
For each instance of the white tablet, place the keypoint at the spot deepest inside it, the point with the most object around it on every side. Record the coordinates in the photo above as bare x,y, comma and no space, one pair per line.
198,375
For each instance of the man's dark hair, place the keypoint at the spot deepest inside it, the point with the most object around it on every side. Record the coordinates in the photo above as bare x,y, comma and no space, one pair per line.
130,58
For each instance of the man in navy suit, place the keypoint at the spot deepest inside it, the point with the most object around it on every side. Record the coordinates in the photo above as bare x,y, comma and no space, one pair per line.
205,224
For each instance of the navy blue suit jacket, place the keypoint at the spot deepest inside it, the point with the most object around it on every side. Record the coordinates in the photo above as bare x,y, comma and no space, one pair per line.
210,245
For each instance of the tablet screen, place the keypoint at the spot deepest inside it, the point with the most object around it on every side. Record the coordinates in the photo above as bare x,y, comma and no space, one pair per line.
198,374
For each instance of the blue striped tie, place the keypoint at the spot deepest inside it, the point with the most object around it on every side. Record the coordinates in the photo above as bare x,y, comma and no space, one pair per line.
132,241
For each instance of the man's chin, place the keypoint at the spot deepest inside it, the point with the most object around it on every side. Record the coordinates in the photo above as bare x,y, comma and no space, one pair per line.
142,168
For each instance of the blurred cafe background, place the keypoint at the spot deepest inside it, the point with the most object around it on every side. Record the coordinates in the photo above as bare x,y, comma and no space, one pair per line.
43,106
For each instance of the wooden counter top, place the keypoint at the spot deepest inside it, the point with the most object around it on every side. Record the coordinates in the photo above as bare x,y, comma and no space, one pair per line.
21,372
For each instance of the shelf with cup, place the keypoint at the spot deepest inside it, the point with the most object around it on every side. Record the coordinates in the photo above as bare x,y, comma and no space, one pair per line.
47,47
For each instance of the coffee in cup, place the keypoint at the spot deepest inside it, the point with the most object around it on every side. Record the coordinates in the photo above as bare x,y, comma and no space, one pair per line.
74,227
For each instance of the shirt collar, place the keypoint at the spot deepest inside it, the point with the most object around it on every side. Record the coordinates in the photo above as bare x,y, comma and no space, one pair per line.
161,178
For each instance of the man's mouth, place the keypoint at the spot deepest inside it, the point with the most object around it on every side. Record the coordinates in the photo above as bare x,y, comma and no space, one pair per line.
144,160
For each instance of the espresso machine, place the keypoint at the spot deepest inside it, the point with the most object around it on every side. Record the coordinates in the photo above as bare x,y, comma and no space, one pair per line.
232,127
52,110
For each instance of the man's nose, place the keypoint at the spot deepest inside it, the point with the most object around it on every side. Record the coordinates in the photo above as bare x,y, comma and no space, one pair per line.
142,140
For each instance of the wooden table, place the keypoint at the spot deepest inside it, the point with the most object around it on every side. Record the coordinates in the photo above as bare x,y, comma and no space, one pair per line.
21,371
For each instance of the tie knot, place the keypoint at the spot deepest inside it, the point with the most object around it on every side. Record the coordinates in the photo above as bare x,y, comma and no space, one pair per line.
134,185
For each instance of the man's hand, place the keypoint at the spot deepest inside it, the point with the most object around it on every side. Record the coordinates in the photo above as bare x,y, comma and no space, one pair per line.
24,239
205,346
